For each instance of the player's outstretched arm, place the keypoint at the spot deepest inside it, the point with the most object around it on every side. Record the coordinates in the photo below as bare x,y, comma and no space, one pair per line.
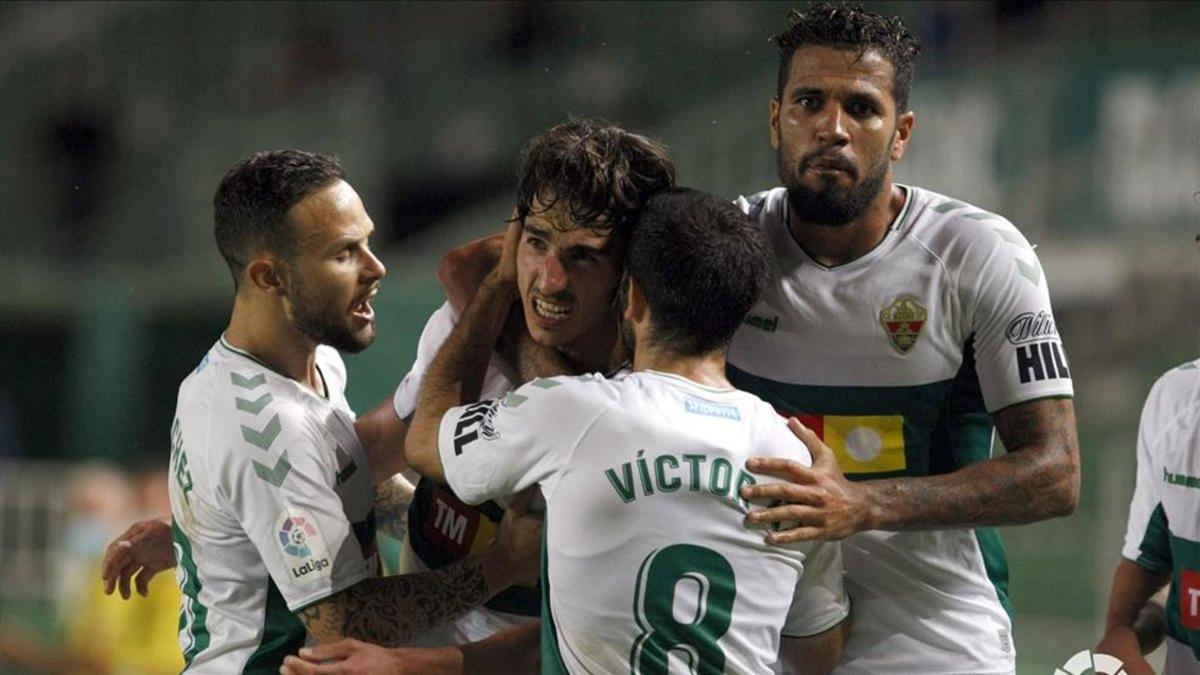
1134,625
511,651
137,554
1037,479
813,655
382,435
393,610
455,376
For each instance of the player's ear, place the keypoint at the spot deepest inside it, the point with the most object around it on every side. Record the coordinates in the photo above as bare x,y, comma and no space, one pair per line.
775,122
904,127
265,273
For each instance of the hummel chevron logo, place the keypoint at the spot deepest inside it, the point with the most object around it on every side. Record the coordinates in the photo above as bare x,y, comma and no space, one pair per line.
1030,270
248,382
256,406
275,475
514,399
264,438
949,205
545,383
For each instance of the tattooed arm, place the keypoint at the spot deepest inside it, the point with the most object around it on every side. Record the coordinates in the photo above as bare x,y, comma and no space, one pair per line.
1037,479
393,610
392,497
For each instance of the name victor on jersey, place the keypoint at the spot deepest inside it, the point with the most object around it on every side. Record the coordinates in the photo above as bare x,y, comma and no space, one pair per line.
669,473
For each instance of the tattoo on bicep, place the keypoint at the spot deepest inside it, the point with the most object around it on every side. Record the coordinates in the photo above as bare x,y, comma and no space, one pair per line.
392,499
394,610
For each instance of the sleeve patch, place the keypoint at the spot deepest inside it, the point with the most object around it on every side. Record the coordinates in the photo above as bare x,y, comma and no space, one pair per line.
303,547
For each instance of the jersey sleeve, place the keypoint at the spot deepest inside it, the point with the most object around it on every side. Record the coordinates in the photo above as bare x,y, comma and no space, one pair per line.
819,602
1018,353
501,446
1146,534
436,332
283,497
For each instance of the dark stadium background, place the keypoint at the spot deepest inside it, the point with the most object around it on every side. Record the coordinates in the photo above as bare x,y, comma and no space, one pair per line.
1078,121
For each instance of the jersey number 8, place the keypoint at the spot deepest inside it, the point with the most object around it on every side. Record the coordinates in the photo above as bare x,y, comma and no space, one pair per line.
668,576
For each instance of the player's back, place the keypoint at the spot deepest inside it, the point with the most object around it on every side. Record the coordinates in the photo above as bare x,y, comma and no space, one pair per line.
649,561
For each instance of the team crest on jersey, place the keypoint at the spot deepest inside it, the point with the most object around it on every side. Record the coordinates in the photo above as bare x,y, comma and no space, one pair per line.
903,321
302,546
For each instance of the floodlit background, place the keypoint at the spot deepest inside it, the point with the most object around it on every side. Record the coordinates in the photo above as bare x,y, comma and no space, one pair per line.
1078,121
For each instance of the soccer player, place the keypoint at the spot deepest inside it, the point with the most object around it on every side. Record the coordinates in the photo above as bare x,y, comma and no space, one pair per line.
1162,542
648,561
271,494
581,184
900,325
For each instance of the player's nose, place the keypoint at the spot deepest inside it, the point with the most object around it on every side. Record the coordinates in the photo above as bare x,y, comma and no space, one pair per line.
552,277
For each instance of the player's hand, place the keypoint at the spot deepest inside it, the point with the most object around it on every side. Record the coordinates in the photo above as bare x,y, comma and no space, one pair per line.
145,549
818,501
519,538
463,269
354,656
1123,645
506,269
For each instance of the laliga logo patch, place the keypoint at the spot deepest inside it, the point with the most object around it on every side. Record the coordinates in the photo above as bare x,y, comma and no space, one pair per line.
903,320
302,546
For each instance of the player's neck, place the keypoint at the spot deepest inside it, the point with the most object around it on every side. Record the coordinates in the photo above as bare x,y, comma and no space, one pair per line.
262,330
833,245
601,351
706,369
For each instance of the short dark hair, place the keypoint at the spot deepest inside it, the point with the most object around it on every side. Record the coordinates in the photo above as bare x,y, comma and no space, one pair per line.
251,204
600,172
849,26
701,265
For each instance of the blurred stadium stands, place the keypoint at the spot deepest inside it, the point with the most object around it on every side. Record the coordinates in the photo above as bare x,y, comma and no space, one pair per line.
1078,121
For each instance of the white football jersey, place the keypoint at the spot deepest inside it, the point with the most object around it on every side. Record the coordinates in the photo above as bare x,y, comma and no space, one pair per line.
441,528
648,562
271,500
895,359
1164,517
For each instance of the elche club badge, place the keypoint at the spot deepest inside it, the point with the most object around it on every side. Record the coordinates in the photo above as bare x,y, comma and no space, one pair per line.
902,321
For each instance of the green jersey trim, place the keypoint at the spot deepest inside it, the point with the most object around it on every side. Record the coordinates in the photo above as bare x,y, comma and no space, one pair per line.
995,563
282,634
1154,553
193,615
552,660
242,352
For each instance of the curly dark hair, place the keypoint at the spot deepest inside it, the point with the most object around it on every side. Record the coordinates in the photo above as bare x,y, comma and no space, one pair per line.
252,201
849,26
600,172
701,265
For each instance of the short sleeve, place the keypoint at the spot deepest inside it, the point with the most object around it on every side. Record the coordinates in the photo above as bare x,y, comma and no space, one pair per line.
1018,353
819,602
1146,535
501,446
437,330
285,501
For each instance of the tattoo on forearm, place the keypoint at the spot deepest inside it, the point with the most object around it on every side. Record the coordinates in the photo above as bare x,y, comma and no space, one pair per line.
394,610
1037,479
392,499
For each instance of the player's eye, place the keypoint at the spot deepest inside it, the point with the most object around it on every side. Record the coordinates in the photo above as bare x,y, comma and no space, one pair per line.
809,102
861,109
537,243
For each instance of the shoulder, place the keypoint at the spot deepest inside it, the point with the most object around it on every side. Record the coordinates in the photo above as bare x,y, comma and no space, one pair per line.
333,368
765,205
1175,396
580,393
945,224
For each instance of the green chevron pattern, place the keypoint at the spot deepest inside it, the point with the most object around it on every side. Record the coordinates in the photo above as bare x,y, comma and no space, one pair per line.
254,407
248,382
263,439
274,475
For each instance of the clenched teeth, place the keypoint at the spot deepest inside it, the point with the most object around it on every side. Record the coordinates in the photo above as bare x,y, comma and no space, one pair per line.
549,309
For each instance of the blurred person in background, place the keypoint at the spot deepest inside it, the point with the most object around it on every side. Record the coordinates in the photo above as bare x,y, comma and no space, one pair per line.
103,634
1162,540
901,325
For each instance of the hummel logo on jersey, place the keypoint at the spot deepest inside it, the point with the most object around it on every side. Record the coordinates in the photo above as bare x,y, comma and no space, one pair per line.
762,323
1181,479
1041,361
